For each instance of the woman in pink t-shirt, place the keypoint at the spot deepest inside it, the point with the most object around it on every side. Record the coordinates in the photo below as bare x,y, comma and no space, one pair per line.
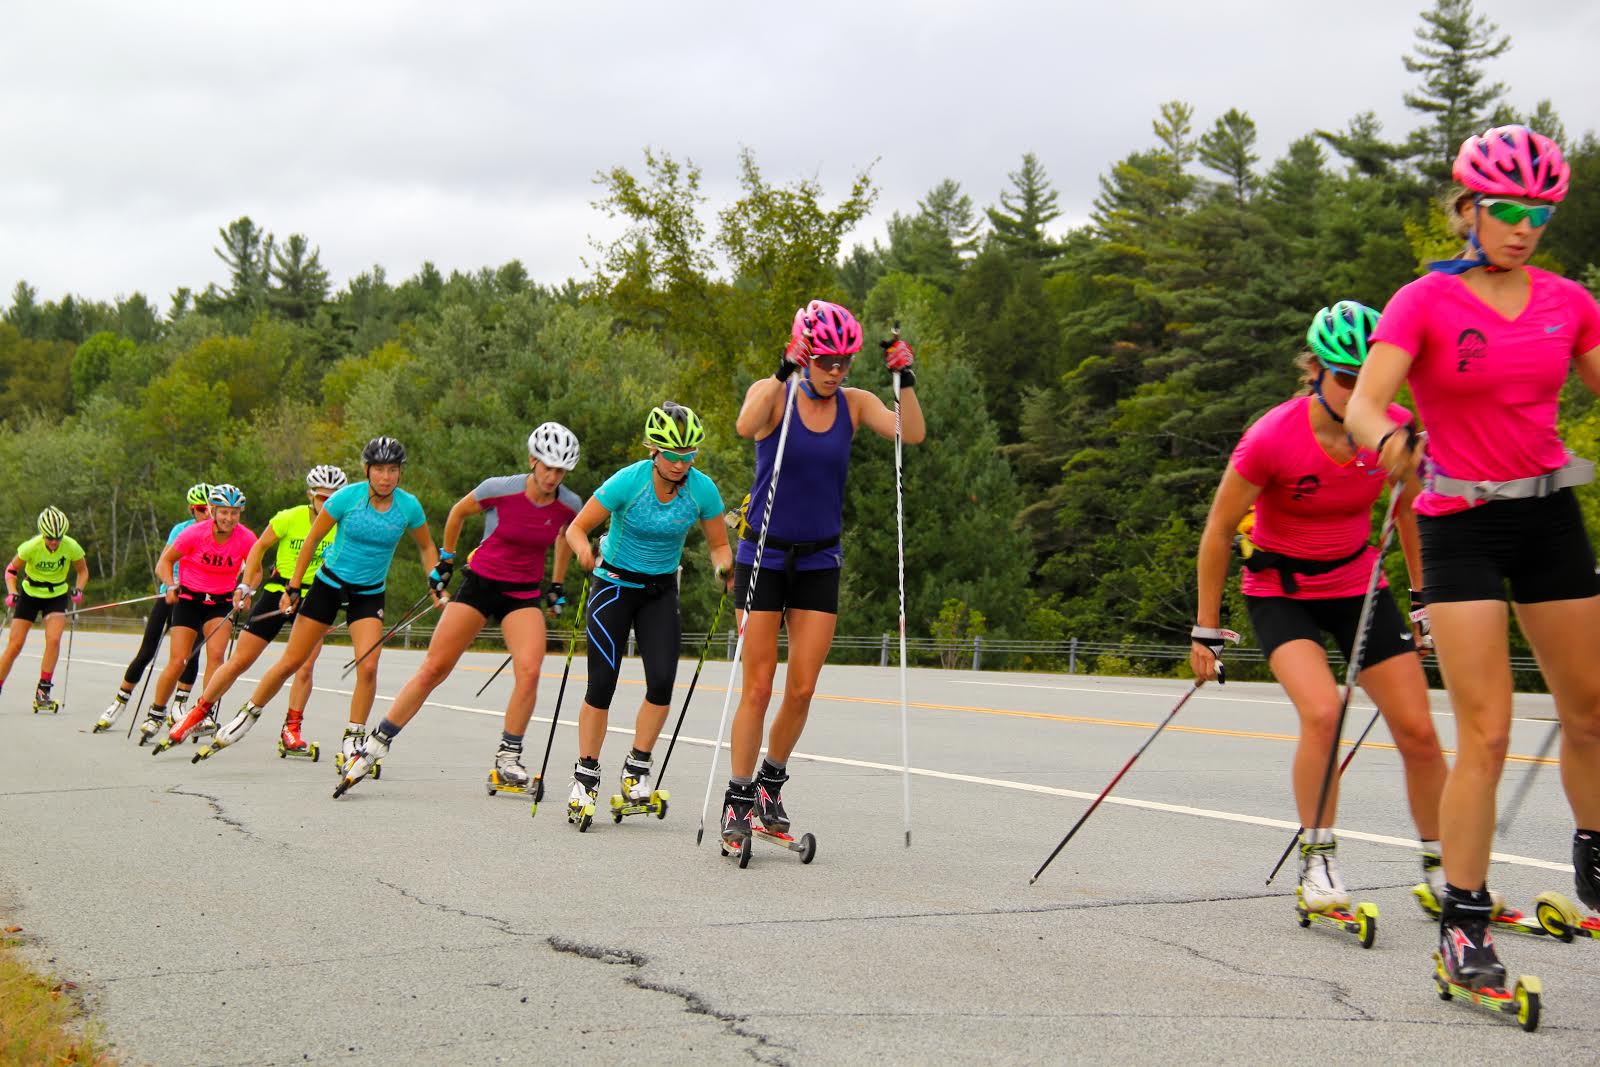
1306,575
1486,343
211,554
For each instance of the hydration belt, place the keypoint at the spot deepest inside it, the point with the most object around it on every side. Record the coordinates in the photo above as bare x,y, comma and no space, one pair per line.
792,550
1575,471
654,584
1263,559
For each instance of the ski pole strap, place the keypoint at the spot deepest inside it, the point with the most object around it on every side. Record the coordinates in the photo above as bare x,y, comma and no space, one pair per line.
792,550
1574,472
1263,559
1214,639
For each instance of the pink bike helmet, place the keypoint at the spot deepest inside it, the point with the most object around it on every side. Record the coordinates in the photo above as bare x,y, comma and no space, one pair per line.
1512,161
834,331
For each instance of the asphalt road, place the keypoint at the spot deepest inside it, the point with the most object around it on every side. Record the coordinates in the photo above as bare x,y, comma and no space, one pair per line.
232,912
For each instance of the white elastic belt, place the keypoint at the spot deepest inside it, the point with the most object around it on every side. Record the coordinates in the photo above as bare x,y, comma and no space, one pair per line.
1575,471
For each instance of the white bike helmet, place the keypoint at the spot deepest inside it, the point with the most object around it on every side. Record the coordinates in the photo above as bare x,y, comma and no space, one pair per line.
554,445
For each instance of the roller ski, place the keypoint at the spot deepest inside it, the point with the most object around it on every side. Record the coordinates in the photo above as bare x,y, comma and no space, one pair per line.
585,796
290,743
155,720
1553,915
195,724
1321,896
637,798
364,761
349,748
1467,968
109,717
508,775
230,734
42,704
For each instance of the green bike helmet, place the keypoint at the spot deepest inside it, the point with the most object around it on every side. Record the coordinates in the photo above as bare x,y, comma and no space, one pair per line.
53,523
673,426
1339,335
198,495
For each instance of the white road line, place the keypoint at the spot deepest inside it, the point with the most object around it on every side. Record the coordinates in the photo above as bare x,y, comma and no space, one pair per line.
1002,783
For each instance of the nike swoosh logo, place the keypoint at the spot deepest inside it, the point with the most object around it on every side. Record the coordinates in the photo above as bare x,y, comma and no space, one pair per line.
1552,329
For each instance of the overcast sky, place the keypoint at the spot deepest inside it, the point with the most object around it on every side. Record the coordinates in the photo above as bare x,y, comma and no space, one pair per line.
395,133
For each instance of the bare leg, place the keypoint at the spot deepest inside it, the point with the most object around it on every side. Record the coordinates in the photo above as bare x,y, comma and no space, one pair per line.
810,637
1565,635
14,643
1400,689
760,665
456,629
525,637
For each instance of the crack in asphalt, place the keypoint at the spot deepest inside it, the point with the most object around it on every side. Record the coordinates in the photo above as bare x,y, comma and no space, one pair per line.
1041,909
1342,994
503,925
216,810
273,965
763,1048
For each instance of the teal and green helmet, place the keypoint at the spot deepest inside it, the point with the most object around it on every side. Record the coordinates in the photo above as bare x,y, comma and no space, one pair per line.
1339,335
674,427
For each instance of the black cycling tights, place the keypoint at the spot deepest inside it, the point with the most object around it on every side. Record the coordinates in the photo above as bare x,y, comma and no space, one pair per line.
160,615
653,617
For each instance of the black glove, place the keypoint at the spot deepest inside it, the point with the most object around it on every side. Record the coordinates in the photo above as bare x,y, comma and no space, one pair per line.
439,577
796,354
555,597
1419,619
1213,640
293,593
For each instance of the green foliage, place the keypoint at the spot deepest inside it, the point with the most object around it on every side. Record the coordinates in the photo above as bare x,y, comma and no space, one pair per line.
1453,43
954,625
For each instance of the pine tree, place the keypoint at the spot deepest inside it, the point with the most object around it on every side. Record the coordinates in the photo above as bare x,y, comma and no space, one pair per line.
1453,44
247,253
1229,149
1362,144
1019,222
301,282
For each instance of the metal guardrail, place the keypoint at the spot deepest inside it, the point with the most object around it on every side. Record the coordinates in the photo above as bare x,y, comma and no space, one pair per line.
971,651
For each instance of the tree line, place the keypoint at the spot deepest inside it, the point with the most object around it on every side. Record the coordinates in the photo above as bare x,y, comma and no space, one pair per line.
1084,386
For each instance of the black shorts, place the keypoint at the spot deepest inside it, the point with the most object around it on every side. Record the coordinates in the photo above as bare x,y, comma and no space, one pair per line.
30,607
492,599
779,590
266,622
323,601
1539,546
1278,619
195,610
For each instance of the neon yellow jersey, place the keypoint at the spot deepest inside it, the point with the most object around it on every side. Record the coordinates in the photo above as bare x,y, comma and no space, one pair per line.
293,526
45,573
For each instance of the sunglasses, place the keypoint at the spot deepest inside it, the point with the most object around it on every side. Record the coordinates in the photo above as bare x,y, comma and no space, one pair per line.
1345,379
1511,212
832,363
679,457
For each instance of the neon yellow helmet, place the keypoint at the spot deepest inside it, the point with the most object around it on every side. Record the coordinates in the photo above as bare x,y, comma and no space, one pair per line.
53,523
674,427
198,495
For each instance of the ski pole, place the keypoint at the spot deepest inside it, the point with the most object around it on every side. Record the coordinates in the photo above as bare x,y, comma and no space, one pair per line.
1353,668
1527,780
1125,767
749,599
503,665
555,716
414,612
1350,756
114,604
900,549
710,634
66,675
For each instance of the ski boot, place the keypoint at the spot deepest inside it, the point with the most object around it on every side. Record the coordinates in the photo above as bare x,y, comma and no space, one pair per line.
769,798
585,795
230,734
191,725
180,704
1554,915
290,743
1321,896
155,720
350,747
1466,966
109,716
42,701
363,760
738,804
637,798
508,775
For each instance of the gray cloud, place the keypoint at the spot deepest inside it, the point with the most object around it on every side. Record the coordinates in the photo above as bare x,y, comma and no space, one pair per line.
396,133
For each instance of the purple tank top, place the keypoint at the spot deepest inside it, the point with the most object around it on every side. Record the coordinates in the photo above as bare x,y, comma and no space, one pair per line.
810,501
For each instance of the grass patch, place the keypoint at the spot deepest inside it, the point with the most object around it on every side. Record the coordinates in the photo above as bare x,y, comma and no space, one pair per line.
40,1019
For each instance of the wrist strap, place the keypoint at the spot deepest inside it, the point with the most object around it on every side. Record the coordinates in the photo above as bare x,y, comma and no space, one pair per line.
1213,633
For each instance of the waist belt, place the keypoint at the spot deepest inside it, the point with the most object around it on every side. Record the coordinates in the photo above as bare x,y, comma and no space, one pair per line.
208,599
792,550
1575,471
512,587
1288,566
654,584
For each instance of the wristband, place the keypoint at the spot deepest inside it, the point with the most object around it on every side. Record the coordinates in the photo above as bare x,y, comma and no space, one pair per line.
1411,436
908,378
445,555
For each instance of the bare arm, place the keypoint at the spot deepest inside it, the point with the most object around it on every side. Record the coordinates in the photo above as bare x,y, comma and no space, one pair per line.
879,418
1234,498
467,505
762,409
1366,418
164,562
593,515
80,567
1405,528
13,569
717,544
1589,369
319,529
252,559
425,547
558,572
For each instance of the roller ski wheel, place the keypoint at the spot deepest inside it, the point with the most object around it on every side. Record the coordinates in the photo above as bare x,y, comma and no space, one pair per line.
805,846
1522,1000
495,784
738,848
1554,916
312,751
582,815
51,706
1361,921
655,804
